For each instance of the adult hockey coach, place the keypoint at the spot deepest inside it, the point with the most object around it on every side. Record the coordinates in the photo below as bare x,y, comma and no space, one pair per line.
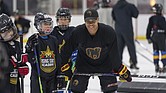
97,53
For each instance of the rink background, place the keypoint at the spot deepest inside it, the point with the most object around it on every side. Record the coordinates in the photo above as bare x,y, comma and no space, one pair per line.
146,68
139,24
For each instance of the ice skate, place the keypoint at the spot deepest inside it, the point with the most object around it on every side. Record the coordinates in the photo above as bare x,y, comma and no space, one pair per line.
134,69
157,70
162,71
132,65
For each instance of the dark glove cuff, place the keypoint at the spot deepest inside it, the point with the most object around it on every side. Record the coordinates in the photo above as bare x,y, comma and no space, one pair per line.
127,76
28,48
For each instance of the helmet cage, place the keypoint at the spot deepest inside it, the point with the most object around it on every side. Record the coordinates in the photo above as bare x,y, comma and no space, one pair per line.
45,22
6,35
63,27
6,27
43,19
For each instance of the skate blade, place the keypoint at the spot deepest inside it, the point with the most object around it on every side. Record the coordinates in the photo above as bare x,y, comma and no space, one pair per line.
160,73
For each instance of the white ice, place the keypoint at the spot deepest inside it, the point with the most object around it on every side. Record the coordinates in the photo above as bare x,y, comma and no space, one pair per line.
146,68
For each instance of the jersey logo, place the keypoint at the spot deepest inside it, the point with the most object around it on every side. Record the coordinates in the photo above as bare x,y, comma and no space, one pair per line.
47,60
89,13
14,76
61,45
93,53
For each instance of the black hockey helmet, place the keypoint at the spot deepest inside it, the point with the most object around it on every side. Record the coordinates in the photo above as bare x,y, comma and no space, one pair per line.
8,30
43,18
63,12
157,8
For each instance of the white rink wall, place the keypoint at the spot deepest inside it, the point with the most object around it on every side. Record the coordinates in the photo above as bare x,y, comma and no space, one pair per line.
139,24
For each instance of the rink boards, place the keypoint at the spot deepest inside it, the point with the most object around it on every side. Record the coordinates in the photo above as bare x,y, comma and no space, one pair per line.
144,87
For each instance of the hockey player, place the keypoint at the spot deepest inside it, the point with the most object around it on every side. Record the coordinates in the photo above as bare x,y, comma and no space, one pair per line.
17,61
156,34
21,23
97,53
63,31
42,49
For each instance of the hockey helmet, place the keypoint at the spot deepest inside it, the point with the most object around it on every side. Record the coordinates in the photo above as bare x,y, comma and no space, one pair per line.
43,18
157,8
63,13
8,30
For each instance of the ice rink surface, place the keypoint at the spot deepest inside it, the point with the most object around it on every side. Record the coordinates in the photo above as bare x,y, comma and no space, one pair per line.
145,64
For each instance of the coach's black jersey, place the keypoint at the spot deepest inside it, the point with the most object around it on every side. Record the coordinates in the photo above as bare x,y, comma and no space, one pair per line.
62,35
96,54
48,57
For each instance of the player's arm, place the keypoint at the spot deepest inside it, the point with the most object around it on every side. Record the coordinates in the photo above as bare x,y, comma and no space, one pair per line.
65,56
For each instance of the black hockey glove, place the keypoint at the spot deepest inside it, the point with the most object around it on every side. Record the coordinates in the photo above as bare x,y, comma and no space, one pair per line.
61,82
31,43
124,74
149,41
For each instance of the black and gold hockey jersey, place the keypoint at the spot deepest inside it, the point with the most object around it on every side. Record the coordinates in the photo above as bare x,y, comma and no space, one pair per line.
47,56
96,54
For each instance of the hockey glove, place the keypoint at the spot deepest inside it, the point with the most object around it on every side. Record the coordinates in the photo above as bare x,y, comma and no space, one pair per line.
23,70
31,43
24,58
149,41
124,74
61,82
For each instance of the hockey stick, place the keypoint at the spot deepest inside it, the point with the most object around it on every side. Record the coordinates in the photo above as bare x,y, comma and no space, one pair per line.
144,47
67,86
145,57
20,32
38,70
114,74
148,76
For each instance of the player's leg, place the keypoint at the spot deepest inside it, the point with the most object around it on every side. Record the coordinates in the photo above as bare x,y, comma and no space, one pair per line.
132,51
163,59
79,83
108,84
34,84
162,47
50,84
156,56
